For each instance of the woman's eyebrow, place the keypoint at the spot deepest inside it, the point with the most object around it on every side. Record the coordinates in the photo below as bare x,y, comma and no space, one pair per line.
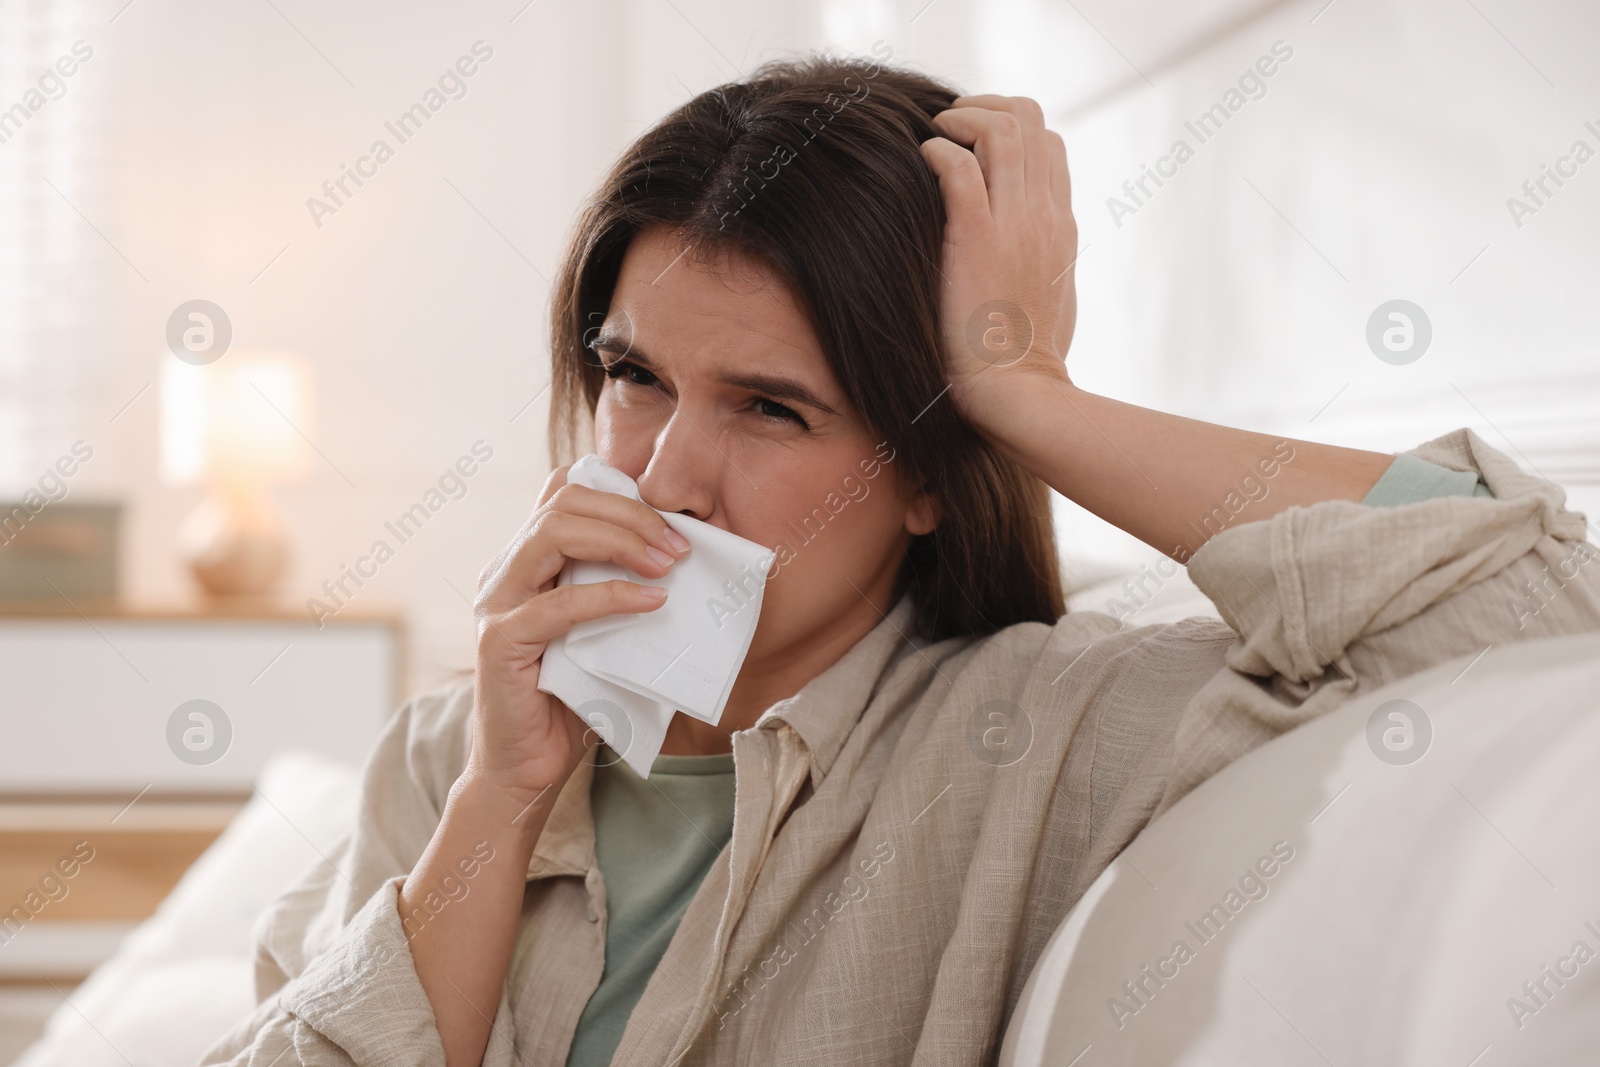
766,384
778,389
617,346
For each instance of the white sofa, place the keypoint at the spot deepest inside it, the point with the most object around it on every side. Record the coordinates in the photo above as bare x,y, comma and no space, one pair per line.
1417,900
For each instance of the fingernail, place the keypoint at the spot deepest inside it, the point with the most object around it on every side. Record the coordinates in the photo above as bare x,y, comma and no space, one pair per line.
660,557
654,592
679,543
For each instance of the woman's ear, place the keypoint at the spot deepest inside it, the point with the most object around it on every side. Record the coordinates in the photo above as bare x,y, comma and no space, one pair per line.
922,512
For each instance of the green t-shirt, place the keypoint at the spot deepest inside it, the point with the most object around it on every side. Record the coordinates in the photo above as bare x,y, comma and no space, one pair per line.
1410,480
655,839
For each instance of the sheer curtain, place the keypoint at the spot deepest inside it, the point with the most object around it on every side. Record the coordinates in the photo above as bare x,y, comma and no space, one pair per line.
52,281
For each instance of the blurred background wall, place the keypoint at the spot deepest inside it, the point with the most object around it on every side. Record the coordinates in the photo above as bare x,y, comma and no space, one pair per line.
1375,163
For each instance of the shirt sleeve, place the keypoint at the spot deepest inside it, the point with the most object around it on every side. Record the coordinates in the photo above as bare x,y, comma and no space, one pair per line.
335,981
1410,480
357,1002
1337,598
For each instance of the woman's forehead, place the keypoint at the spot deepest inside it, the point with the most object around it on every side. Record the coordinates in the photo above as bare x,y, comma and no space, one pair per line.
685,309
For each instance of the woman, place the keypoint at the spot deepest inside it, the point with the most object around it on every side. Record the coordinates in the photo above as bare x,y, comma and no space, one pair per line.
827,309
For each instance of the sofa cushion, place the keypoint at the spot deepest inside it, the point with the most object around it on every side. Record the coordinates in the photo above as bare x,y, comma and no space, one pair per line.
1412,878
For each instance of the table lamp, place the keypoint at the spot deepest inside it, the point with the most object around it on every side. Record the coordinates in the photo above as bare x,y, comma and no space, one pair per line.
238,426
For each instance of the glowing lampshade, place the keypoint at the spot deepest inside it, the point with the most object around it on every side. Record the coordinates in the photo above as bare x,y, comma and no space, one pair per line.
238,426
244,419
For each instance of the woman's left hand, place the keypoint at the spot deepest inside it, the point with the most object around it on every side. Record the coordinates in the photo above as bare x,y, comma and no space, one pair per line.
1010,245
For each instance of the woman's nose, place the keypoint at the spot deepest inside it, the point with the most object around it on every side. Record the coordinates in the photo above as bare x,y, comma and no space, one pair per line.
683,471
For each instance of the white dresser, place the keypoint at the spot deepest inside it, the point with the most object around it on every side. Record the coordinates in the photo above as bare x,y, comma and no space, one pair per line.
106,702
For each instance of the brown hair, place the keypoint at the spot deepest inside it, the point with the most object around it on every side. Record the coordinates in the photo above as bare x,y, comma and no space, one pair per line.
812,167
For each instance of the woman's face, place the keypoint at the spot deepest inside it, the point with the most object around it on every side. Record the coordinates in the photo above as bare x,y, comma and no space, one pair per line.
720,403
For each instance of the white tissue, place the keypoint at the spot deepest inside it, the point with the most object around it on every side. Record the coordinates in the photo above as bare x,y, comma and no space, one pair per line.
625,675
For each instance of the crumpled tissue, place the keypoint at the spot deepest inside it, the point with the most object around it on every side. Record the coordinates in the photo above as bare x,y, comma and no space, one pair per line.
625,675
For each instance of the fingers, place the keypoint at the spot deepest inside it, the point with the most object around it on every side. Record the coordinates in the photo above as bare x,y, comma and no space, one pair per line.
1046,181
1044,176
1060,176
966,199
557,479
579,523
1035,138
559,536
634,515
996,139
526,628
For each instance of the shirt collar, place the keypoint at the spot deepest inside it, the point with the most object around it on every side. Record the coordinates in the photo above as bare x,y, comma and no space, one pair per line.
822,715
566,845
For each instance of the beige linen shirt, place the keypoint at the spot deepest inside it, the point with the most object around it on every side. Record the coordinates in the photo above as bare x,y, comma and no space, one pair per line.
913,824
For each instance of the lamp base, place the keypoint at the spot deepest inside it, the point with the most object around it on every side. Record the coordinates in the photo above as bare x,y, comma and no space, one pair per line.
234,546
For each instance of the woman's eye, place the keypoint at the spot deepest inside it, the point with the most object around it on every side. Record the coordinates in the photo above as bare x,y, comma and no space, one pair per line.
773,410
634,373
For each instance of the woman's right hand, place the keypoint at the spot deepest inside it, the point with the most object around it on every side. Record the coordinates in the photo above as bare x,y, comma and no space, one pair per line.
525,741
